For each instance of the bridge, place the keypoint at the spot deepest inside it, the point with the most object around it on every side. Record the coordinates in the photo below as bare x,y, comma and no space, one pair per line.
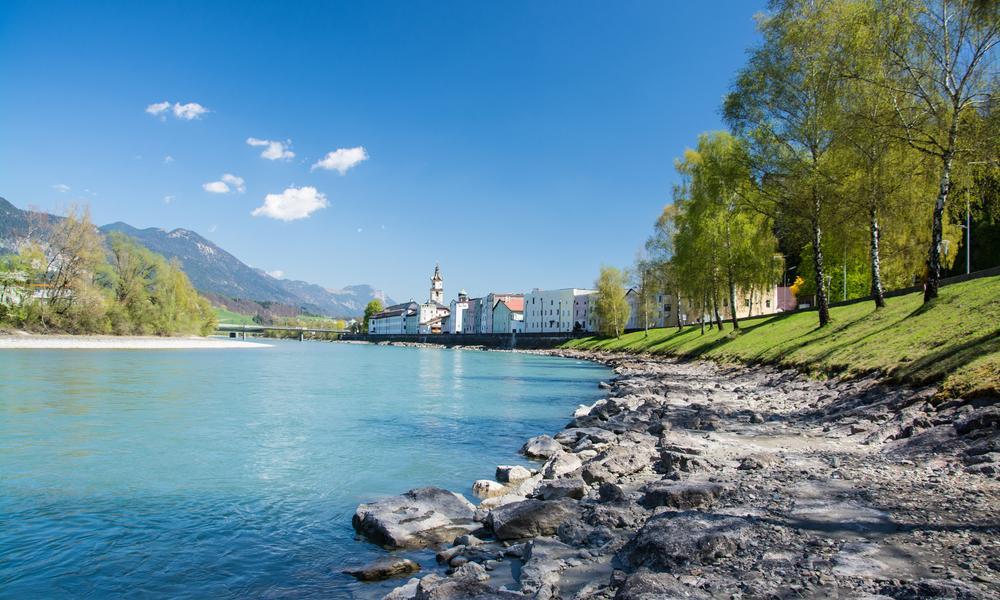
236,330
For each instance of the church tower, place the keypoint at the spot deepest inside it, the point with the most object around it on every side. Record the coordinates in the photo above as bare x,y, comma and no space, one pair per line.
437,286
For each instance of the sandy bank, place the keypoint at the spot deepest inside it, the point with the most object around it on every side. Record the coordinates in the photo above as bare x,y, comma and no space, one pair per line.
24,341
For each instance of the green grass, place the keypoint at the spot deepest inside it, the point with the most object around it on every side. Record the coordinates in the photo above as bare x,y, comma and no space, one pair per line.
228,317
955,340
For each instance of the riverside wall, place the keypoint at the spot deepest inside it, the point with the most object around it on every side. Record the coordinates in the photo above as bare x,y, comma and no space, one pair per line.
501,341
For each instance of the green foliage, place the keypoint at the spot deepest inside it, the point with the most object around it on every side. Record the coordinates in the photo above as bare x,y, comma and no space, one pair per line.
125,289
373,307
612,307
953,340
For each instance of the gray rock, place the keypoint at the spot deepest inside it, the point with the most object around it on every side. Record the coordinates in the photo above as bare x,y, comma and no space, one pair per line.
560,465
561,488
572,436
418,518
644,585
469,581
609,492
542,446
543,560
530,518
384,568
467,540
617,462
671,540
404,592
515,473
681,496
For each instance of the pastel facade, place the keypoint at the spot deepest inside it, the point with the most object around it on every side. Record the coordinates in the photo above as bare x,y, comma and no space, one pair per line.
551,311
508,316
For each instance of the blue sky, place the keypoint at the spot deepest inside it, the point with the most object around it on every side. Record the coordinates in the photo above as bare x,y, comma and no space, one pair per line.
521,144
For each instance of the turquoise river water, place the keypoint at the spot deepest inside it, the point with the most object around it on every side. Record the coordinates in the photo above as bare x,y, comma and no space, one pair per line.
234,473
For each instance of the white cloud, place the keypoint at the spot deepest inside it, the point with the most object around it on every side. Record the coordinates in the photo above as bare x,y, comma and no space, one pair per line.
342,159
360,230
213,228
274,150
62,188
168,199
228,183
291,204
236,182
185,112
168,159
189,111
277,273
158,109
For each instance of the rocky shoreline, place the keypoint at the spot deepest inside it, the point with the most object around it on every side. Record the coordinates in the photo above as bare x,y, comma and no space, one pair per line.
695,480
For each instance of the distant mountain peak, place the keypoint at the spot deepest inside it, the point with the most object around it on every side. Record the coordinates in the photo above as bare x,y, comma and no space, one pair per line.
215,271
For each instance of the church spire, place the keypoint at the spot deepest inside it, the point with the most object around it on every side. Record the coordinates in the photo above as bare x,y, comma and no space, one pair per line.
437,285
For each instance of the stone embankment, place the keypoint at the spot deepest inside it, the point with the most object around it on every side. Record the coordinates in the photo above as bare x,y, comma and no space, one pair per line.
693,480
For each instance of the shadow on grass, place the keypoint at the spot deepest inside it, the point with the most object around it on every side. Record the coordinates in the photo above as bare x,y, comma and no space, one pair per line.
936,365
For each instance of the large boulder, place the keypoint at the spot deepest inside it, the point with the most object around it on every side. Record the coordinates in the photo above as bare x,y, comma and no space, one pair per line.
682,496
530,518
544,559
560,465
542,446
512,473
485,488
384,568
617,462
418,518
670,540
555,489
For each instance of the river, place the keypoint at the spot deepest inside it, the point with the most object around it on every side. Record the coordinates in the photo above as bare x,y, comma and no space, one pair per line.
234,473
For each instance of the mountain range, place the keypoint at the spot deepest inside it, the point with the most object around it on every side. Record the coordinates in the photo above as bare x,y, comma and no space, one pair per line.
211,269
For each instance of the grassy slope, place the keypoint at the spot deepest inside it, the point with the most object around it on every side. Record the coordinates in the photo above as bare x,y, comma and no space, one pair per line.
956,339
229,317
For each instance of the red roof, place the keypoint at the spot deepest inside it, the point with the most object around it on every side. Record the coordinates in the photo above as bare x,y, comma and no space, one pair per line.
514,304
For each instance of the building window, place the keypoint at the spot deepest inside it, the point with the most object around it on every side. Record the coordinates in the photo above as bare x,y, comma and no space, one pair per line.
767,303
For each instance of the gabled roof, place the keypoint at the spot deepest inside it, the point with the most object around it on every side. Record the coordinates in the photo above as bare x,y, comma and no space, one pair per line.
513,304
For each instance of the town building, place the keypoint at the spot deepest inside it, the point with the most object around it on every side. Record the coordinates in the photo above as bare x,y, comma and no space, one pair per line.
551,311
411,317
486,306
397,319
456,314
508,315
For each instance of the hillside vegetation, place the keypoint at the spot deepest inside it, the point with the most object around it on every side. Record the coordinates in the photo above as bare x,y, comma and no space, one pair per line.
954,340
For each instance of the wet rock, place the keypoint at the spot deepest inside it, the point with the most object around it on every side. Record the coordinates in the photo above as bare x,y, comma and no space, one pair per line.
542,446
514,473
418,518
484,488
384,568
561,465
561,488
682,496
604,385
467,540
530,518
670,540
617,462
646,585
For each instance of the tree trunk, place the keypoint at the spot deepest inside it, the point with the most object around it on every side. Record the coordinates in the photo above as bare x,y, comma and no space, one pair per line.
817,239
677,308
732,300
937,229
878,294
715,307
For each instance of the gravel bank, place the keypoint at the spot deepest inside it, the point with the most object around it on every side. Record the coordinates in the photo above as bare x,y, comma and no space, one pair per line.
694,480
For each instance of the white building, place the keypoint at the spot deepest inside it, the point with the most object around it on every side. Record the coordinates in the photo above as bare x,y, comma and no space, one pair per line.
484,310
433,313
508,316
457,311
553,311
395,320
